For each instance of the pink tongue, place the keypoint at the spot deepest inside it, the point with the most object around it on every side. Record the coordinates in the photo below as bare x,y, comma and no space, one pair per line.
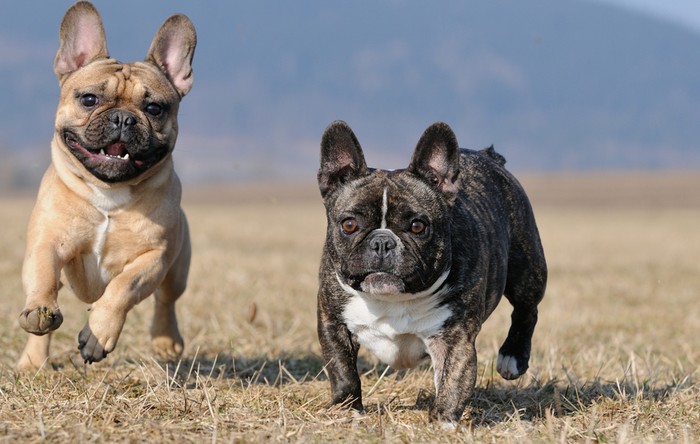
116,149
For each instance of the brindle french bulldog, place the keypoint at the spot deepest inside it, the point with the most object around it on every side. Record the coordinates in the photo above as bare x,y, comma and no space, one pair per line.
415,260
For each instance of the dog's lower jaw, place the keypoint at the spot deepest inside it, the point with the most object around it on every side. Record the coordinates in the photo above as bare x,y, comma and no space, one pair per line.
382,284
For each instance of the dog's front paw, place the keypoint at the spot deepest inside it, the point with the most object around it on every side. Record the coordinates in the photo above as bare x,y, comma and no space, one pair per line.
344,400
509,367
40,320
91,349
100,334
449,426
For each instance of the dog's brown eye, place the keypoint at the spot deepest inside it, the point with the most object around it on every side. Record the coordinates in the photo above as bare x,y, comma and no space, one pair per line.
88,100
349,225
154,109
418,227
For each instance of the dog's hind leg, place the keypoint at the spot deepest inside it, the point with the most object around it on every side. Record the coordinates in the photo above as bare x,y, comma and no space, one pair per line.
525,287
165,335
35,353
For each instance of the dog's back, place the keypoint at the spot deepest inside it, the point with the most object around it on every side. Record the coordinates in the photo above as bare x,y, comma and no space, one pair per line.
506,215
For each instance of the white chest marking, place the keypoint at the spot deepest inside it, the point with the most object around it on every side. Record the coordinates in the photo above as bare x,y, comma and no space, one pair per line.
105,201
108,199
395,328
92,260
385,208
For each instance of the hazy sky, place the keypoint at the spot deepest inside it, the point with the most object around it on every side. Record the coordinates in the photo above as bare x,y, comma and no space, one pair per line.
686,12
261,109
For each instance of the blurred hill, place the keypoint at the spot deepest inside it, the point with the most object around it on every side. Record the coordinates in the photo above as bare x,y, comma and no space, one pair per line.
554,85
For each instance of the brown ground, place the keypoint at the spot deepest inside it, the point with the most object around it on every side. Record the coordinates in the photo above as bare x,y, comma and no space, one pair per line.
615,358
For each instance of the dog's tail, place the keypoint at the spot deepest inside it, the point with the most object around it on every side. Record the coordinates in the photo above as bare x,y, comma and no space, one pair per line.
491,152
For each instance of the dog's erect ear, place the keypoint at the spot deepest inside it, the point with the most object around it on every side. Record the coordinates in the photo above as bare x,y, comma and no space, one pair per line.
172,51
82,39
436,159
341,157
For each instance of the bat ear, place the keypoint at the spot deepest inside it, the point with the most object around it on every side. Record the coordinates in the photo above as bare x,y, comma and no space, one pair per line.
436,159
82,39
172,51
342,159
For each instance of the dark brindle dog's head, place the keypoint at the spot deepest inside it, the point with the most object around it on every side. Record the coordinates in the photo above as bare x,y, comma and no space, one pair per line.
388,231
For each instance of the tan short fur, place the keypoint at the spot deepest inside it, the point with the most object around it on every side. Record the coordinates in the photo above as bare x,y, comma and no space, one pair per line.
118,240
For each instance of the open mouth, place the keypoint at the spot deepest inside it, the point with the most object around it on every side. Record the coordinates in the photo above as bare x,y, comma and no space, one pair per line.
111,162
114,151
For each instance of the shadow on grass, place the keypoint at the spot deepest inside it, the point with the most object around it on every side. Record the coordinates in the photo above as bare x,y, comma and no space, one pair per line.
492,405
489,405
288,368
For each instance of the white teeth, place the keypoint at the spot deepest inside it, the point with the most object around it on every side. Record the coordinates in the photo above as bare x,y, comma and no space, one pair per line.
124,157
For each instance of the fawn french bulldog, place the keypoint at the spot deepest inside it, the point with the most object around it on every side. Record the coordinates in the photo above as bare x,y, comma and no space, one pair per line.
108,210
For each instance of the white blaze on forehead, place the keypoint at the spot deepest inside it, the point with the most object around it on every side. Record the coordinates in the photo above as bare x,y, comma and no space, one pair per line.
385,208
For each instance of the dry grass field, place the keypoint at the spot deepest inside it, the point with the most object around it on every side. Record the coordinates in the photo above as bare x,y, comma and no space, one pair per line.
616,353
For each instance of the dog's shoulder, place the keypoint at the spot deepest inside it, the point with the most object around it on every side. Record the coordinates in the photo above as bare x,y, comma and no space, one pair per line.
489,153
485,176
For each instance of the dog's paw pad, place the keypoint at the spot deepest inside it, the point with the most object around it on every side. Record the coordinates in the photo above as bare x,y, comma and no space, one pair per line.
507,367
90,347
167,348
40,320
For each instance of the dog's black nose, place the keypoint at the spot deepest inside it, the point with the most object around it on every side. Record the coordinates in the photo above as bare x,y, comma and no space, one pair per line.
382,243
122,119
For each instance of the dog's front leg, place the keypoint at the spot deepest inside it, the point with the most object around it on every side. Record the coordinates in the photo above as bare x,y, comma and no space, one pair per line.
138,280
455,374
339,350
41,272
